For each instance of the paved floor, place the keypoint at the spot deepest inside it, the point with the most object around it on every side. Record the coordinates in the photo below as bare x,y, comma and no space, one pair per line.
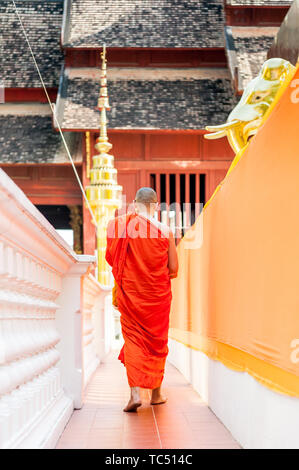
184,422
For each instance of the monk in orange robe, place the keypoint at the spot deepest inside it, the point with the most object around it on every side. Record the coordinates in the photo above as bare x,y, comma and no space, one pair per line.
143,257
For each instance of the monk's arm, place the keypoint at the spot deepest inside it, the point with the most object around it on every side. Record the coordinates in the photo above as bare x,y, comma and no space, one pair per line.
173,264
108,257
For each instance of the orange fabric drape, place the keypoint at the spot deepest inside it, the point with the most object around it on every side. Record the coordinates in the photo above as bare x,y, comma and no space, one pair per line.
241,280
139,259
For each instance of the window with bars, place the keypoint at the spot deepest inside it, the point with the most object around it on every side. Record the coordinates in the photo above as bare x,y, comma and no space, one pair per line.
181,197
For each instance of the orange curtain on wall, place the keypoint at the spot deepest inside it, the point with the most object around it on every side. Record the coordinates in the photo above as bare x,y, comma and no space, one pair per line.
237,294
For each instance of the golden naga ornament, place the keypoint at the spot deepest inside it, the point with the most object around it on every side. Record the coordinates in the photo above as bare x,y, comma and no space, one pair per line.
246,118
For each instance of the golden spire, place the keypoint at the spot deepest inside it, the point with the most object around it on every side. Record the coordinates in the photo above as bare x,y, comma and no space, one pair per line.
104,194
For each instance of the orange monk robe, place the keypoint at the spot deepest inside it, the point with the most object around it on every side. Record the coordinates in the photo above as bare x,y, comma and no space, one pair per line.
137,250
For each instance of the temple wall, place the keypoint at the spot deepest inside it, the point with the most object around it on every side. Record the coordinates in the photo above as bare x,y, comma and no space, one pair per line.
234,320
257,417
50,308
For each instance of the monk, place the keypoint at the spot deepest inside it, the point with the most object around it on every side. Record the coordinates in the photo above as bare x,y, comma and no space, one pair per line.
143,257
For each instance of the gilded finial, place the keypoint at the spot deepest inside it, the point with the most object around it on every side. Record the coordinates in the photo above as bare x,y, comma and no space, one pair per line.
103,57
103,101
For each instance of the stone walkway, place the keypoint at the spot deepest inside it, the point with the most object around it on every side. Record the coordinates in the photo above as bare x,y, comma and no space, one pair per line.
184,422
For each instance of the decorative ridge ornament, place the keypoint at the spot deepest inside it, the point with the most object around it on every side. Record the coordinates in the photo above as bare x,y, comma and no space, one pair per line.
103,193
257,102
246,118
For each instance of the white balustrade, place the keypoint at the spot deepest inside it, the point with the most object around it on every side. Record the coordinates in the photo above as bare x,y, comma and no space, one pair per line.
97,334
36,398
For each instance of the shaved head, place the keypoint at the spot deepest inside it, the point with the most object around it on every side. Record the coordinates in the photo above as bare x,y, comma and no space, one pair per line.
146,196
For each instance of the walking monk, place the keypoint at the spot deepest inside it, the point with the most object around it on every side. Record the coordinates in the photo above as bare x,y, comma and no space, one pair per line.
143,257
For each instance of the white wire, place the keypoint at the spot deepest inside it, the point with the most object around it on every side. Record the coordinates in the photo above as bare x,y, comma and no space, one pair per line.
55,119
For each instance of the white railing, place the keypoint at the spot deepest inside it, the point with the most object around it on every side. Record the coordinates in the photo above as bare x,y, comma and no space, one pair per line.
98,321
43,334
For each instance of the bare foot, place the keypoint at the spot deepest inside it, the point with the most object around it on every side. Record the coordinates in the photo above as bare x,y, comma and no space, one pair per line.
132,405
134,401
157,397
159,400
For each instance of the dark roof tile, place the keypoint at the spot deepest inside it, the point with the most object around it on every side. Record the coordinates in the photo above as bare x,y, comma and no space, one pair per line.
32,139
145,23
247,49
146,104
42,23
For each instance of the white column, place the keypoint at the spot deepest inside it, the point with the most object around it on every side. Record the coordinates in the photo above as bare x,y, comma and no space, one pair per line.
97,320
70,324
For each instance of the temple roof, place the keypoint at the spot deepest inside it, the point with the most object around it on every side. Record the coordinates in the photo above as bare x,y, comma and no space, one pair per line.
144,23
264,3
32,139
42,21
148,99
247,49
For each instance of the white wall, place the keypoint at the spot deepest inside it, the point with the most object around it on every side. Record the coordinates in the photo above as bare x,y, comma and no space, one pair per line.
40,324
257,417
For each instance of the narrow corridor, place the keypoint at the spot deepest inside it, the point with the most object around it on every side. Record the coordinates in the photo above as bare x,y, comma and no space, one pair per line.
184,422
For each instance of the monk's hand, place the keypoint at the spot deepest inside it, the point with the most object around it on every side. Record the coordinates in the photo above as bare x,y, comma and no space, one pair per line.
114,295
